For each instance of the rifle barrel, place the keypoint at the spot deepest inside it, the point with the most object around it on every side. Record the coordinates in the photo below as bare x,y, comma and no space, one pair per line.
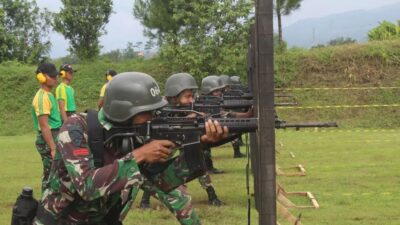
284,124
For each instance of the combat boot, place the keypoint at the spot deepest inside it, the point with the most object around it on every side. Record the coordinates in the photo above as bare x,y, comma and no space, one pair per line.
240,140
236,150
214,170
213,198
210,164
145,202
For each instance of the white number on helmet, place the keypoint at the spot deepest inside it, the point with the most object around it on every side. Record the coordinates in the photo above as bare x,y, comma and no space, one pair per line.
155,91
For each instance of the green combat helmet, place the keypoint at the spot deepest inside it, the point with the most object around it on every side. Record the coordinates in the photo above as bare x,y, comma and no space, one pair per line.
210,84
225,79
235,80
178,82
131,93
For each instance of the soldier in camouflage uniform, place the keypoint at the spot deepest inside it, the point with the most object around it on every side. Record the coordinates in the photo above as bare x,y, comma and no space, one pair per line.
227,81
80,193
180,89
46,117
213,86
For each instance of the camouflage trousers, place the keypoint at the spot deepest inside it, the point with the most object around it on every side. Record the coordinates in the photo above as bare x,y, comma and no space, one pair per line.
236,143
178,201
205,181
44,151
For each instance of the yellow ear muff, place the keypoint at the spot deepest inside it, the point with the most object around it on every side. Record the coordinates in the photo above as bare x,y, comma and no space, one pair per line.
109,77
62,74
41,78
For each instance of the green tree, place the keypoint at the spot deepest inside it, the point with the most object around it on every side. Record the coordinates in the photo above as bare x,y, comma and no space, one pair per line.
284,8
129,52
279,47
341,41
385,31
23,31
82,23
113,55
203,37
157,17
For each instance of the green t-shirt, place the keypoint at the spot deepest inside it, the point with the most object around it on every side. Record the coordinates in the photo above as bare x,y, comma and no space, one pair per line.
44,103
66,93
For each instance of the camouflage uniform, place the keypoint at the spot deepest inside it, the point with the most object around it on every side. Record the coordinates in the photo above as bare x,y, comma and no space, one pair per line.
205,181
45,154
79,193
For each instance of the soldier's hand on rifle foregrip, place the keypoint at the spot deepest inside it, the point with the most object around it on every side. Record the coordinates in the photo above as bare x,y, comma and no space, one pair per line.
154,151
214,132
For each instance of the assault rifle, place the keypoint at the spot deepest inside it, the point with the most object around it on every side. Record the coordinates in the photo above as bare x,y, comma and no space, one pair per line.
239,87
183,131
186,133
234,94
282,124
212,107
232,102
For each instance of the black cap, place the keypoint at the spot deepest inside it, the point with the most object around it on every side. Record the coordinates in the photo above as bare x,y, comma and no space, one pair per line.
48,69
67,68
111,72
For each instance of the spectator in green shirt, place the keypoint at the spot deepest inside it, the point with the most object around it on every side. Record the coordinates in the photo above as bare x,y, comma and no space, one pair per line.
65,93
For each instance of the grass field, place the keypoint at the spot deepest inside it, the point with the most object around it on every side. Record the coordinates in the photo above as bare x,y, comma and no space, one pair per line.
353,175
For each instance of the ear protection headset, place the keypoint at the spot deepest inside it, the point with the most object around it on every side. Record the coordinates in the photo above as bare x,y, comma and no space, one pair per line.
62,73
108,75
40,77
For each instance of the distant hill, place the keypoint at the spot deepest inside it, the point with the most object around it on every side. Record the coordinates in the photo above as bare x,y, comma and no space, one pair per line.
354,24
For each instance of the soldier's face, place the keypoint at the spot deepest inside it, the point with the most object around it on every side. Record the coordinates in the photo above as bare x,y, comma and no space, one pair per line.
142,117
186,97
216,93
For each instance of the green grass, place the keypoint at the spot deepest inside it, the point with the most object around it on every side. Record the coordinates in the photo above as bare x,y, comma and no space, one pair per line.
20,166
355,65
353,175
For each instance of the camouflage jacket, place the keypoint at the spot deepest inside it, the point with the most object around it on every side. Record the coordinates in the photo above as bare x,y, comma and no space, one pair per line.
80,192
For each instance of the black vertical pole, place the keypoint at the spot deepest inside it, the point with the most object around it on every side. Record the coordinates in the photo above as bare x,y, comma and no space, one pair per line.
266,130
252,80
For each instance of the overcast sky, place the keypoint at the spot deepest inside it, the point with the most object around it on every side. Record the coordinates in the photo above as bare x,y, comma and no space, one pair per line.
124,28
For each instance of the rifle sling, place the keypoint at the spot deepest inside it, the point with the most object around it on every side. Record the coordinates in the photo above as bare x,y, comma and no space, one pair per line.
95,137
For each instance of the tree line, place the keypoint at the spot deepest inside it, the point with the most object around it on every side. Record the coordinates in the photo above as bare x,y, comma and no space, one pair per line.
202,36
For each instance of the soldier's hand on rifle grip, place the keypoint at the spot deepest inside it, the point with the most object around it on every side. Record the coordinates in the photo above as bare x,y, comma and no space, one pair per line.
250,112
214,132
193,115
154,151
247,114
224,114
